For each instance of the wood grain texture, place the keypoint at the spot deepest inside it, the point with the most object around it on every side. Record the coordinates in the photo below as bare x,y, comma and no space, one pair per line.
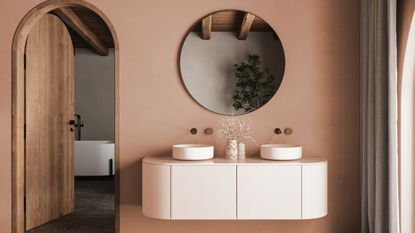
67,15
18,92
231,20
97,25
206,27
49,108
18,142
246,26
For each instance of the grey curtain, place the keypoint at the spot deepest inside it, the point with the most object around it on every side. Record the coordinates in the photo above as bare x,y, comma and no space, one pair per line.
380,205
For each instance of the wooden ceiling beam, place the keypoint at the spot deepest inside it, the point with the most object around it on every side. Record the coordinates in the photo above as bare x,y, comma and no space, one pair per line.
72,20
207,27
246,25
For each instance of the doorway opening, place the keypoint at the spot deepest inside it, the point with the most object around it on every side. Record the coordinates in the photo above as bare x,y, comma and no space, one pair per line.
65,120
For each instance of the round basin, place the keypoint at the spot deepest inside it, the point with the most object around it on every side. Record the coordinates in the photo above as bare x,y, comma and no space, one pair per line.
281,152
192,151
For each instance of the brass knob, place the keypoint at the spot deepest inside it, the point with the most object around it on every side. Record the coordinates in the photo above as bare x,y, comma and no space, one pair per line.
288,131
193,131
208,131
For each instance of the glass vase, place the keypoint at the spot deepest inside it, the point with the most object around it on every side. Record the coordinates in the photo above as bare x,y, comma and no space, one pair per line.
241,151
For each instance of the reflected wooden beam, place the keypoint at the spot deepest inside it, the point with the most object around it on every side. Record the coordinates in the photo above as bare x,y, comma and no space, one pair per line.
72,20
207,27
246,26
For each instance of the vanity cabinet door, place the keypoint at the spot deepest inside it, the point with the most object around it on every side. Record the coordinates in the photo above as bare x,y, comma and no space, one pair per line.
156,191
314,190
269,192
203,192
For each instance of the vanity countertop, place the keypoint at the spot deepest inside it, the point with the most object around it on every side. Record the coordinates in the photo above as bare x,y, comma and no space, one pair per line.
168,160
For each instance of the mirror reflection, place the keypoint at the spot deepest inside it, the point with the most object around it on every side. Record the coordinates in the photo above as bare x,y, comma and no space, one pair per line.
232,62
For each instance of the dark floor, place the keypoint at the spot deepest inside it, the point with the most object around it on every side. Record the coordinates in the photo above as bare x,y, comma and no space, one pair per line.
94,210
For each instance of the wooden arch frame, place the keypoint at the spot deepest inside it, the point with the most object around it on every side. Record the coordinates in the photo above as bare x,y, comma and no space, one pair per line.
17,153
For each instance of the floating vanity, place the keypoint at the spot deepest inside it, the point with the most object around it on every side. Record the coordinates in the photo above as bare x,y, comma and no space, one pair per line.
221,189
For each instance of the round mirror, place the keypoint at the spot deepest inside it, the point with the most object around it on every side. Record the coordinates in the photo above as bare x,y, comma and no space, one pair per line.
232,62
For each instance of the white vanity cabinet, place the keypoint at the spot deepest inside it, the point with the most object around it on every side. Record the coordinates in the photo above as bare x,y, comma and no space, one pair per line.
269,192
314,190
220,189
203,192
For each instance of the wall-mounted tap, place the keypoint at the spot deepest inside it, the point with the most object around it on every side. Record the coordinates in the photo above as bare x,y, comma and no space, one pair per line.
78,125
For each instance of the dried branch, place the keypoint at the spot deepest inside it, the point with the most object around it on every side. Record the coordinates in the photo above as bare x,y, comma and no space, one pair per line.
235,128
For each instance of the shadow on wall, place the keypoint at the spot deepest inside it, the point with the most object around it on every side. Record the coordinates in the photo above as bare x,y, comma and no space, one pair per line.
407,131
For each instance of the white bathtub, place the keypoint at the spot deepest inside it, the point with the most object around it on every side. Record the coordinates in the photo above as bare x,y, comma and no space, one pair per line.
92,158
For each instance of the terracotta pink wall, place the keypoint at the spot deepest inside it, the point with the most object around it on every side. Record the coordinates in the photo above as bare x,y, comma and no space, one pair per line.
319,99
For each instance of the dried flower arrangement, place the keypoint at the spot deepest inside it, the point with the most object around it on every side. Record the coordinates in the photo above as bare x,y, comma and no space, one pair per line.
235,128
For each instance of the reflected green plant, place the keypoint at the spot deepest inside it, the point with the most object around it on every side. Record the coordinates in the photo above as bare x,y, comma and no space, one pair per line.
254,87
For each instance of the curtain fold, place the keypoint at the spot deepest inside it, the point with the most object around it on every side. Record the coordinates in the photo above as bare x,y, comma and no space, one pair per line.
379,125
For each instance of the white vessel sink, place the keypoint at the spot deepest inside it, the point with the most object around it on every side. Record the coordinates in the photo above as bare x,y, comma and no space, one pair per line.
192,151
281,152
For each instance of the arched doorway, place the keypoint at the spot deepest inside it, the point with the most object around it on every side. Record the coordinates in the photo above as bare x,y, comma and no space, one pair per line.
18,104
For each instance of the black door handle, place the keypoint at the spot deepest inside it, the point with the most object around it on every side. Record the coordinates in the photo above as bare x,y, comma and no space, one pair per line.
72,122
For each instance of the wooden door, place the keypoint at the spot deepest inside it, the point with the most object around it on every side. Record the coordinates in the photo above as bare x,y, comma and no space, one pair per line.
49,80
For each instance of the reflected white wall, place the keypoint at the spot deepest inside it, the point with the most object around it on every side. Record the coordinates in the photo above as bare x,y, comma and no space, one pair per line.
94,93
